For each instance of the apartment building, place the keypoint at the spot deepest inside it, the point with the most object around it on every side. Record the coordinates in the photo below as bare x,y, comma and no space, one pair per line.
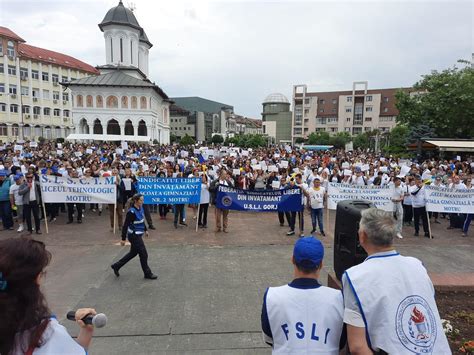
354,111
33,103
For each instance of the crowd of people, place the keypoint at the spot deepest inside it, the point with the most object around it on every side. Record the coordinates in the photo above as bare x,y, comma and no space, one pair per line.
275,167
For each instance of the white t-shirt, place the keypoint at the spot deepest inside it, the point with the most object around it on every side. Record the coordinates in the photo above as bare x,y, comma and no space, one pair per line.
56,341
14,191
205,196
317,197
32,192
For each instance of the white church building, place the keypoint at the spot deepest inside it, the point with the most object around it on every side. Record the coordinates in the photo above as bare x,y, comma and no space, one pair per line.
121,104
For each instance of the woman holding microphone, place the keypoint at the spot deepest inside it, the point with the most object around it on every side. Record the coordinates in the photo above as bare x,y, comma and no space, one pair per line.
27,325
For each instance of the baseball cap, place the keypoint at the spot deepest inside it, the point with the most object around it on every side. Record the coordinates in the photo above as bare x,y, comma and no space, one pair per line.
308,252
3,173
17,177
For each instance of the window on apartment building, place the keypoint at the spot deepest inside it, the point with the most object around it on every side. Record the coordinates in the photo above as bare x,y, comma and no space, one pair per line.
56,112
306,111
14,108
306,101
2,88
334,101
10,49
2,68
1,47
321,120
3,108
35,74
347,129
368,109
384,129
333,129
23,73
45,94
37,110
385,109
55,78
11,70
348,109
349,98
321,129
64,78
333,110
12,89
35,92
368,119
45,76
385,99
25,109
15,130
321,110
348,119
55,95
65,96
25,90
356,130
367,129
368,98
47,111
66,113
322,101
3,129
332,120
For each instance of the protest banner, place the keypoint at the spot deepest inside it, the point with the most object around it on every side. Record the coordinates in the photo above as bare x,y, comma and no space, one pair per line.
229,198
379,196
443,199
170,191
60,189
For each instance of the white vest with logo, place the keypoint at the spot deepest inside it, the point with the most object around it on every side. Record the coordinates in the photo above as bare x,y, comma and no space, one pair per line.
397,303
305,321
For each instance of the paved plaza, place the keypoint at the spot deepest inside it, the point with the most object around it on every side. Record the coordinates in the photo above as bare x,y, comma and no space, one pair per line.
209,292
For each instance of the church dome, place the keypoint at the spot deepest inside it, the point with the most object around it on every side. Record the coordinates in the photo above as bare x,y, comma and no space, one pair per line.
276,98
144,38
120,15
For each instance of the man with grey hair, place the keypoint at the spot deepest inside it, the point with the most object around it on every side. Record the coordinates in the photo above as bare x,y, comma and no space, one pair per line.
389,304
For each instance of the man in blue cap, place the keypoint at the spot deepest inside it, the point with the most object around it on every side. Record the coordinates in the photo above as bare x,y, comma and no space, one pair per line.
303,316
5,206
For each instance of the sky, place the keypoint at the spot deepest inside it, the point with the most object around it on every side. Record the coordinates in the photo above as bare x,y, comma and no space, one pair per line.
238,52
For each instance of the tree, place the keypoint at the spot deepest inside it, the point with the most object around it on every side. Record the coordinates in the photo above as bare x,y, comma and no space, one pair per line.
322,138
217,139
187,140
443,101
299,140
173,138
398,139
340,139
361,141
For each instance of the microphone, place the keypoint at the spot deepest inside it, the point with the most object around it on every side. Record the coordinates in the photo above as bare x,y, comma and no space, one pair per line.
98,321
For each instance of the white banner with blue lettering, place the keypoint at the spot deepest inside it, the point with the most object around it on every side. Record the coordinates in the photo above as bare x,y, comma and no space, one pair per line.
380,196
442,199
60,189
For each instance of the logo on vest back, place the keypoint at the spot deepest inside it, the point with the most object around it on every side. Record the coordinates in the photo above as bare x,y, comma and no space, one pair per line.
226,201
416,325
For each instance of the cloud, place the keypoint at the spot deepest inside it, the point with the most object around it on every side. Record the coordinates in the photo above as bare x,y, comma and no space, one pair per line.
239,52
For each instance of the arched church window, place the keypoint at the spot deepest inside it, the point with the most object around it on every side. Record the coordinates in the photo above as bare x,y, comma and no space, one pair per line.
131,51
99,101
79,101
112,102
121,50
143,103
124,102
111,50
142,129
89,101
134,102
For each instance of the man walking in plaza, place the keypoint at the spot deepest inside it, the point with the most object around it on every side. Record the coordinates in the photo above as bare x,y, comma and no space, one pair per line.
31,197
418,197
397,198
389,303
304,316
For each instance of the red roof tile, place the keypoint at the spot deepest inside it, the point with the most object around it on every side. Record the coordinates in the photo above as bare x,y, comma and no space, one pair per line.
51,57
10,34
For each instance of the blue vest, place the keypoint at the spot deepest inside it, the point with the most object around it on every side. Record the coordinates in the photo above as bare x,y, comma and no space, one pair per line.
138,226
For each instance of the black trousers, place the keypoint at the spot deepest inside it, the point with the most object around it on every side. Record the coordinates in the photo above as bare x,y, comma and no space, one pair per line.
407,213
146,209
52,209
70,211
202,221
178,210
300,215
417,213
282,215
32,207
137,247
162,210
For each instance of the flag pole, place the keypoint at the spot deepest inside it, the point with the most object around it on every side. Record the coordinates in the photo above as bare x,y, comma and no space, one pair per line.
197,217
429,224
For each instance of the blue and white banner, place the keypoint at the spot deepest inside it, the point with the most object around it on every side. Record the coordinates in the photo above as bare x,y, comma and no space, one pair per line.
170,191
229,198
58,189
380,196
442,199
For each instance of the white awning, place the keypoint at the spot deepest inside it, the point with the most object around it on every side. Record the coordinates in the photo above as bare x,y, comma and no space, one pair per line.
107,137
453,146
